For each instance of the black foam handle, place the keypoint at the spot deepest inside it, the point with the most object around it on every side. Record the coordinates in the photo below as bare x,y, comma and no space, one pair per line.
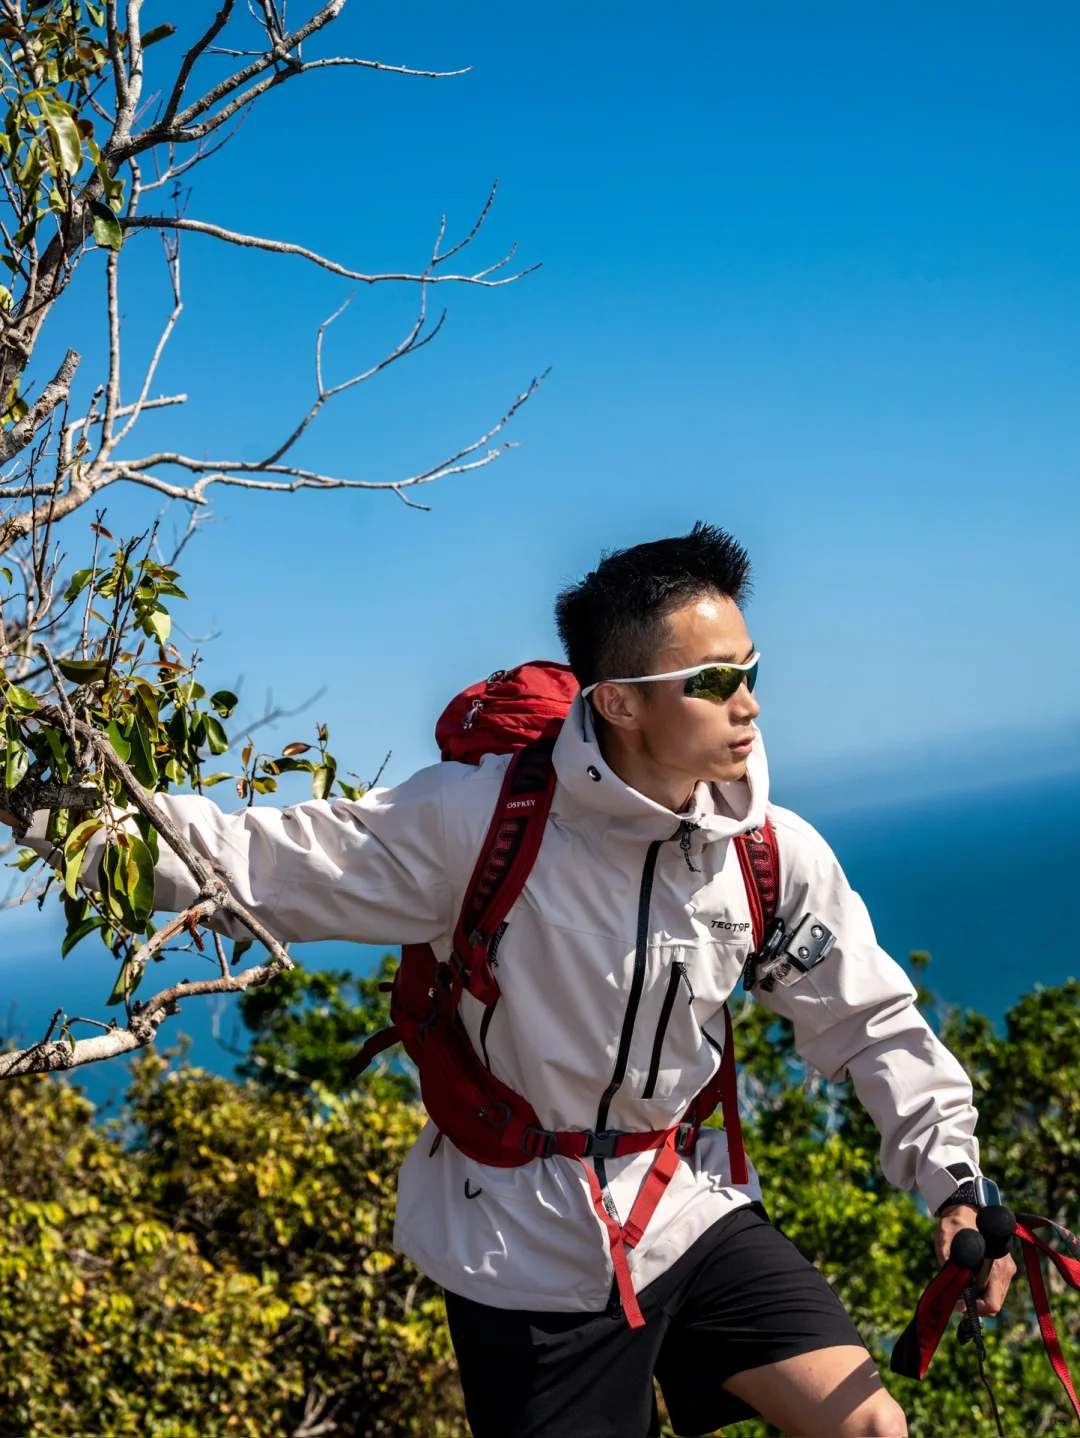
968,1249
997,1224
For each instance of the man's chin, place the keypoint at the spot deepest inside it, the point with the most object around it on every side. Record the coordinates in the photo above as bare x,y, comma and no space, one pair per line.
731,771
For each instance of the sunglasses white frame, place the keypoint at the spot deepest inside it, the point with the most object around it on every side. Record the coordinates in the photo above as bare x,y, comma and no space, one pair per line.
678,673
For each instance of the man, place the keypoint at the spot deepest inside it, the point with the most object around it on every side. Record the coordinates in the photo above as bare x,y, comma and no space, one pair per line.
630,934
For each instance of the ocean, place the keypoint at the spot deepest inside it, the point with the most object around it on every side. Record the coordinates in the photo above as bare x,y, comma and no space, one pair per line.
985,880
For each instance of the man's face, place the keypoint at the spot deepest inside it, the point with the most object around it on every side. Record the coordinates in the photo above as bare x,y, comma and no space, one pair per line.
690,739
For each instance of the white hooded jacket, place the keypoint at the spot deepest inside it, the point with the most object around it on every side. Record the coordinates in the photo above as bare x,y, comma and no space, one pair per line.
613,895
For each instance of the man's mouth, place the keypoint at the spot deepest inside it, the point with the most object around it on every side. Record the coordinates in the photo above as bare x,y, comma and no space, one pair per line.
742,746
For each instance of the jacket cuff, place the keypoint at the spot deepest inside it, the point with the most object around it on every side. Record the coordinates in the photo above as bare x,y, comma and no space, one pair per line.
941,1184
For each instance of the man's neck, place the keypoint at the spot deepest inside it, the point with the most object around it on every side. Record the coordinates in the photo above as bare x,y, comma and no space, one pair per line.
639,771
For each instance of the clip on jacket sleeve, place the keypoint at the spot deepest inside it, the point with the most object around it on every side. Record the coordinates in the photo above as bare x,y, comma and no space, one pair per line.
855,1016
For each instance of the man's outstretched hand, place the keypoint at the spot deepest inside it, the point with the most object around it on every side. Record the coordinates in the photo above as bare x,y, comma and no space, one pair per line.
993,1278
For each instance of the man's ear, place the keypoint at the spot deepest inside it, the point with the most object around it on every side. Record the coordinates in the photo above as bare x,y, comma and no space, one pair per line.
618,705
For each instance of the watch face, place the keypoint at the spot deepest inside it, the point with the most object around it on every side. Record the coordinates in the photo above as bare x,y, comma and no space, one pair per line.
987,1193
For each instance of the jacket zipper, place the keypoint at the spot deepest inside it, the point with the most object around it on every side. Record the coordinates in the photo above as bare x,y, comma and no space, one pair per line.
637,984
678,976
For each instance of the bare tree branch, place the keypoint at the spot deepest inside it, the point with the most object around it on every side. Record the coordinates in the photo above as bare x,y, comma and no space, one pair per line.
245,474
284,247
54,393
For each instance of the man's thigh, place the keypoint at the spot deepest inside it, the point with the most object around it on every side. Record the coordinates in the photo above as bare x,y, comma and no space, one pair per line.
554,1375
753,1302
830,1393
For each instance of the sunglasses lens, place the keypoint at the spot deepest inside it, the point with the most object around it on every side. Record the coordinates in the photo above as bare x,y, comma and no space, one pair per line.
719,682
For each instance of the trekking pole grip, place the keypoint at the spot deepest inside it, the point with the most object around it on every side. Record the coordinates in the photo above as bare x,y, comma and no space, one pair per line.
997,1224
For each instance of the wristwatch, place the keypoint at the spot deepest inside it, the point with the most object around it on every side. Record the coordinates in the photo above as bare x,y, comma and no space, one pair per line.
977,1192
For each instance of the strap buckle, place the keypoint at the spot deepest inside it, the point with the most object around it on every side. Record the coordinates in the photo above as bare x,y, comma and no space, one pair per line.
602,1145
456,966
686,1137
538,1142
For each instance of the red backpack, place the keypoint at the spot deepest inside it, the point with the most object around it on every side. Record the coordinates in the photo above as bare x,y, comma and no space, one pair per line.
521,711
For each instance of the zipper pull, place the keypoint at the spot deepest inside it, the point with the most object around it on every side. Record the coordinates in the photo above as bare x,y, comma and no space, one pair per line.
685,830
680,967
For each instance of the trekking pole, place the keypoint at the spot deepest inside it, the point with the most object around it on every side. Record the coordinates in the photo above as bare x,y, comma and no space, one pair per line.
996,1226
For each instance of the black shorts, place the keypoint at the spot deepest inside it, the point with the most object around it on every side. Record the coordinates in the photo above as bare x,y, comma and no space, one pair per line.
740,1297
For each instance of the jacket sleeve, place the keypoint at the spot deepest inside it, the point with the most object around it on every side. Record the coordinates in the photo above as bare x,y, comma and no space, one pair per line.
372,871
855,1016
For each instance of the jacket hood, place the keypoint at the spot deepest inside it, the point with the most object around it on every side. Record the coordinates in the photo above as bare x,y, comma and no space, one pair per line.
719,811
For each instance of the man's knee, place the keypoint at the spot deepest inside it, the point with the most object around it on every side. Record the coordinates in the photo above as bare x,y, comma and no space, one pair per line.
882,1417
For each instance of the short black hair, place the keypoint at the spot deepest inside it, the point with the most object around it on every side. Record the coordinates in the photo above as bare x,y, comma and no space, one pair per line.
613,622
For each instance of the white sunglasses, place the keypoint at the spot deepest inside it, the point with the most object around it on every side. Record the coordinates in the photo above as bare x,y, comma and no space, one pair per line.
704,681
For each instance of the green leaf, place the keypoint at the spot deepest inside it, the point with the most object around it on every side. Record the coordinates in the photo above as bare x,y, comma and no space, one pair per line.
143,760
121,745
217,741
159,32
240,948
66,140
21,699
79,580
290,766
24,859
26,233
7,574
322,780
107,231
16,761
75,854
263,786
350,791
58,749
82,671
78,933
224,702
119,989
158,624
140,888
7,299
210,780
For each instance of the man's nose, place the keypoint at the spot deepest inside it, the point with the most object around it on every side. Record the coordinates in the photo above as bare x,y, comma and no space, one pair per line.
743,706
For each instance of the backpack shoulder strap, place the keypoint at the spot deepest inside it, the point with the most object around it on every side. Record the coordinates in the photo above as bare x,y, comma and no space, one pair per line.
759,860
509,851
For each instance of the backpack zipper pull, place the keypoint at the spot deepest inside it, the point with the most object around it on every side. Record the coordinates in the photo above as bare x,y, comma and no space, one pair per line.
685,830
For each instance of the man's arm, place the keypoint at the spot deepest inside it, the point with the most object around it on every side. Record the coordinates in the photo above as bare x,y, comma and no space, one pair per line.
372,871
855,1016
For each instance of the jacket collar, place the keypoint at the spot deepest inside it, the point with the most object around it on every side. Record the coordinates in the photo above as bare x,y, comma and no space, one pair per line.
718,811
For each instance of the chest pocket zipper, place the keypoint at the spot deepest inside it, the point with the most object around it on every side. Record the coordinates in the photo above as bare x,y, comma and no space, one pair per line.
678,976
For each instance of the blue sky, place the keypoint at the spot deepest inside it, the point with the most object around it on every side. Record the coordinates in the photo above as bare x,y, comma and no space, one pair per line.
808,272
